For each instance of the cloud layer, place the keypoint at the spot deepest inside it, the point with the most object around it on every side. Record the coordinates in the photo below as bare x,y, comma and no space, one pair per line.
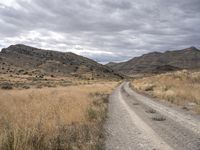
105,30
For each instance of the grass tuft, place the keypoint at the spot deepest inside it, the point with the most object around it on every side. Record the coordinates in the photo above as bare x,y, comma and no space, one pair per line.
158,118
151,111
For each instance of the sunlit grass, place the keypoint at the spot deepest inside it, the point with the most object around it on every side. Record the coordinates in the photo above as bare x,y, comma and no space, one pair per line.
181,87
53,118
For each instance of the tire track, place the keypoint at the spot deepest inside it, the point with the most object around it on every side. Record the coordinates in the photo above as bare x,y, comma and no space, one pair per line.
186,120
127,131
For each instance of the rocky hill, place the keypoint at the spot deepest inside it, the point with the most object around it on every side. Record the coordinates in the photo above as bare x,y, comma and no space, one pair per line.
157,62
22,59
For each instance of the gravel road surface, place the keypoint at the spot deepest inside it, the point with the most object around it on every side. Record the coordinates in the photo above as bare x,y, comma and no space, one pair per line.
136,122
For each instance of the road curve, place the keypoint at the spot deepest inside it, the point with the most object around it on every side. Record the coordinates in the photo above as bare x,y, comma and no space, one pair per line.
130,125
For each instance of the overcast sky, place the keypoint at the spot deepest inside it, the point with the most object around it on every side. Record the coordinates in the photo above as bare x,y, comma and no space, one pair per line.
104,30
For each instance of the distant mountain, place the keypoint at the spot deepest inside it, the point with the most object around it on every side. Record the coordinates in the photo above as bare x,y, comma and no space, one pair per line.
22,59
111,64
157,62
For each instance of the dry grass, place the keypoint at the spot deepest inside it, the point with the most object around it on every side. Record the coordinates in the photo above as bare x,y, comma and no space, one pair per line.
158,118
181,88
53,118
35,81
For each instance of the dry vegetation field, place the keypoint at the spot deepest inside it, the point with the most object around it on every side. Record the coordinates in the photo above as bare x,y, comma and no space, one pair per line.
13,81
181,88
56,118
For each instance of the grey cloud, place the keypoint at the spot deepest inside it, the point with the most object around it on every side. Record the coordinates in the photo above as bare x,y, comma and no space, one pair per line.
116,4
124,28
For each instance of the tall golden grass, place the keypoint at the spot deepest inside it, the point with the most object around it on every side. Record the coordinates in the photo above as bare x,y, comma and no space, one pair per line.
50,118
181,88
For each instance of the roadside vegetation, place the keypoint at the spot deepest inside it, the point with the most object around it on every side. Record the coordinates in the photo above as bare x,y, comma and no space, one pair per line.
13,81
62,118
181,88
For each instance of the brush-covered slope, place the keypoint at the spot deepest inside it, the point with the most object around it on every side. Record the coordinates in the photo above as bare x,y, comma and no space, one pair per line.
157,62
22,59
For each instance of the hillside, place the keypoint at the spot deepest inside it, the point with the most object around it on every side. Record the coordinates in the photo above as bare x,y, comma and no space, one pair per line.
22,59
157,62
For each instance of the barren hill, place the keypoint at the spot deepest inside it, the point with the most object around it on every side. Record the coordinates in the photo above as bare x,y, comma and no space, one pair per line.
22,59
157,62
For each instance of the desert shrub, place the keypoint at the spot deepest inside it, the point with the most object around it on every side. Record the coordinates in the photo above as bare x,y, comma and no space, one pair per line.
20,71
135,103
150,110
100,96
7,86
26,87
25,73
91,114
149,87
158,118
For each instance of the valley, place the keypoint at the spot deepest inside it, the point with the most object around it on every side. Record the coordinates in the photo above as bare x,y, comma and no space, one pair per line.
55,100
99,75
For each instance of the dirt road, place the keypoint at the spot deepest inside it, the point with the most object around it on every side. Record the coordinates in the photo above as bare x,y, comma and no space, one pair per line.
136,122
